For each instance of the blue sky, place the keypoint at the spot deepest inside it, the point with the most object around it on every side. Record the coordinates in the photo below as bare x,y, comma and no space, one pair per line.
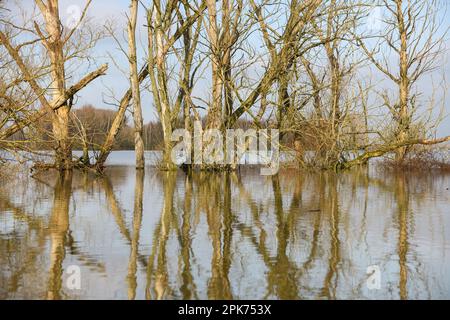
98,92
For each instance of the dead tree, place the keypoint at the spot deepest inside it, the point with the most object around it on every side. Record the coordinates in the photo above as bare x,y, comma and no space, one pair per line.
414,35
160,24
286,48
145,71
223,30
330,69
55,97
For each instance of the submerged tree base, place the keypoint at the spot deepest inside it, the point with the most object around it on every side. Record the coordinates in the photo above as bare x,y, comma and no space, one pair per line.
380,151
420,160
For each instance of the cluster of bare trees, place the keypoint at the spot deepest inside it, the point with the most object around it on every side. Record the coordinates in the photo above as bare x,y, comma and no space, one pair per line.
305,68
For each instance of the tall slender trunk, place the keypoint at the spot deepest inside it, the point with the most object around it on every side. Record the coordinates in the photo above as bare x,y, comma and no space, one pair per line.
157,55
166,114
215,113
226,62
316,87
335,93
403,112
335,71
167,133
137,110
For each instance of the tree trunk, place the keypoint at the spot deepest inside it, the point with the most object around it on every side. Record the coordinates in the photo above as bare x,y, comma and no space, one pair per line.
284,102
136,94
60,121
226,61
335,70
215,113
403,113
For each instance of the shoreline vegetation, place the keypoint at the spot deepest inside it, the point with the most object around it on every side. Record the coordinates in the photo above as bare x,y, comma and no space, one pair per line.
335,81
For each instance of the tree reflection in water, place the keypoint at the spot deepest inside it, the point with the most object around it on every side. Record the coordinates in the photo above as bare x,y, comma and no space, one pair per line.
165,235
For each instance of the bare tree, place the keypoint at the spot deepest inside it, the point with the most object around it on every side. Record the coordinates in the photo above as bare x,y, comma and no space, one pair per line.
286,47
223,31
148,68
160,25
301,80
327,88
55,98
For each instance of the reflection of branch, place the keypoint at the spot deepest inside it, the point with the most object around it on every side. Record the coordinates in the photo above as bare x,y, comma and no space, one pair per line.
286,288
329,288
34,223
218,283
151,260
402,197
35,226
160,237
188,288
117,213
38,224
137,221
115,209
35,177
84,258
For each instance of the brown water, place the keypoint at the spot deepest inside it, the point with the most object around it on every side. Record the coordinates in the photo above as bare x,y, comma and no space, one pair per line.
224,236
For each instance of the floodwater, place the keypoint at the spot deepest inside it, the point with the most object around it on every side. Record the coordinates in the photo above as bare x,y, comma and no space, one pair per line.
363,234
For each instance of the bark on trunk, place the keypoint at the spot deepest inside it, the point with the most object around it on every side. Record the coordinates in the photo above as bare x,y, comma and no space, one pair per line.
136,94
215,113
158,80
60,121
403,113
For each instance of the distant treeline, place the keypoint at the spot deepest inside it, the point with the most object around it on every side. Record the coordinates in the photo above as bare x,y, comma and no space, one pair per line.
95,123
90,124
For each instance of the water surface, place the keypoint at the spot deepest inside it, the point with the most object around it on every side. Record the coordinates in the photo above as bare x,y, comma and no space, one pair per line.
225,236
